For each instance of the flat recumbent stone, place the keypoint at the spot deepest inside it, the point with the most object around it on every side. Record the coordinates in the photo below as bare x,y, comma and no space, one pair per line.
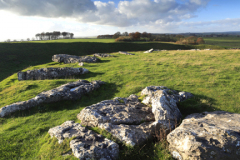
51,73
65,58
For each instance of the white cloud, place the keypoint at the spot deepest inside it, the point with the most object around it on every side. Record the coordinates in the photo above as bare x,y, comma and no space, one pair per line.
127,13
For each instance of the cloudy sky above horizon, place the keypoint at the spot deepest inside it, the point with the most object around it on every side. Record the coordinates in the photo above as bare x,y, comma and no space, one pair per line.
21,19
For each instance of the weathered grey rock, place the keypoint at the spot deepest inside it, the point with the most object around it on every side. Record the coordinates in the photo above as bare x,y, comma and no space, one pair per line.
177,96
129,134
51,73
102,55
86,143
120,115
208,135
164,105
69,91
65,58
80,64
117,111
126,53
149,51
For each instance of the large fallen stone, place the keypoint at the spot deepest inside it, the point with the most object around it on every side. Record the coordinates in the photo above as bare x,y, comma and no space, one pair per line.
102,55
164,105
51,73
117,111
86,143
65,58
120,115
208,135
126,53
69,91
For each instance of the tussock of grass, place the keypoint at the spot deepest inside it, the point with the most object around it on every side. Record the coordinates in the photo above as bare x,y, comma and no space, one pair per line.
212,76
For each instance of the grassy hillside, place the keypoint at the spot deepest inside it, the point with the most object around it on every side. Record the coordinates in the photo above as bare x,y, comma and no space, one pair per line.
212,76
17,56
226,42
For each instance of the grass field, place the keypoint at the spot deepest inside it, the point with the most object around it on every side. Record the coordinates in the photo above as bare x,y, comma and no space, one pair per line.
226,42
17,56
212,76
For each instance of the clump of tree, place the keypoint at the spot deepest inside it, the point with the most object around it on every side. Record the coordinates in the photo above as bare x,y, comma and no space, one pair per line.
134,36
191,40
54,35
164,37
107,36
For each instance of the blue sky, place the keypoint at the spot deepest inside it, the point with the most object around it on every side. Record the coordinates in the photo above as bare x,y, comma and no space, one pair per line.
21,19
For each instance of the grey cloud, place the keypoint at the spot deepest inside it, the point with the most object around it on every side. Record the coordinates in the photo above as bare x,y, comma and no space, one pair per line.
127,13
48,8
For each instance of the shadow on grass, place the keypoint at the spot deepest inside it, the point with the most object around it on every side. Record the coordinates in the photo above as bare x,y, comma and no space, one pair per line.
197,104
103,61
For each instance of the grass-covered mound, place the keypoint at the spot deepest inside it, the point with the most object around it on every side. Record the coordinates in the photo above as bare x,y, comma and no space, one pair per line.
212,76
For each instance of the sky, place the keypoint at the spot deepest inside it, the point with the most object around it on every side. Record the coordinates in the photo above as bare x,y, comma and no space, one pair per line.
22,19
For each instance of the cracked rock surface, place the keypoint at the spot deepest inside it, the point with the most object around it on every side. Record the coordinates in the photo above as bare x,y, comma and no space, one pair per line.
125,115
86,143
65,58
131,121
51,73
69,91
207,135
164,105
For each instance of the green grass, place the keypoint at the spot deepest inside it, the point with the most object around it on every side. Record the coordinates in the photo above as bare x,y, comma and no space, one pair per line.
212,76
225,42
17,56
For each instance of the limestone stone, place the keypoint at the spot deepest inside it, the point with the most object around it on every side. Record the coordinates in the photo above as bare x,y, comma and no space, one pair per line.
177,96
69,91
51,73
121,115
129,134
126,53
102,55
149,51
86,143
80,64
118,111
65,58
207,135
164,105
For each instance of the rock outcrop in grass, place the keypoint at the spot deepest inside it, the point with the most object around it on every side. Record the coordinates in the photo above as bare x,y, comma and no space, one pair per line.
69,91
51,73
207,135
126,53
164,105
86,143
65,58
131,121
102,55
